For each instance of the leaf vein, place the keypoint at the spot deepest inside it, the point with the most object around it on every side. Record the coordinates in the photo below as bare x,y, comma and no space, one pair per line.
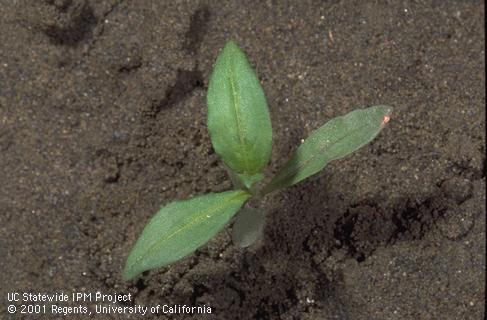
236,110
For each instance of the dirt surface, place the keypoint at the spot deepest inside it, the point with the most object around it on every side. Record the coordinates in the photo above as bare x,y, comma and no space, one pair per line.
102,121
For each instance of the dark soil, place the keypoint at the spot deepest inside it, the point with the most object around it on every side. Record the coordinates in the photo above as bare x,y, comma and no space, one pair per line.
102,121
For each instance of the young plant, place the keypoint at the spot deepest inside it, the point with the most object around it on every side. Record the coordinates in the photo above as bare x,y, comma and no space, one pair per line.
241,134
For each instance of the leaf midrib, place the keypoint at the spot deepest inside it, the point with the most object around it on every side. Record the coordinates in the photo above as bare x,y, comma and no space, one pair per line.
236,110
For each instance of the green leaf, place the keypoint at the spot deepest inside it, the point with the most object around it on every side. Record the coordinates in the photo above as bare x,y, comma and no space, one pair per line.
248,227
180,228
334,140
238,117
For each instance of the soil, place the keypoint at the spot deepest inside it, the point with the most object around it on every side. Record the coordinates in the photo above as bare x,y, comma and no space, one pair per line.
103,120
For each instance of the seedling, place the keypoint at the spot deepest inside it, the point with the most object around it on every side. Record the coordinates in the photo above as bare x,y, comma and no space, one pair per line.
241,134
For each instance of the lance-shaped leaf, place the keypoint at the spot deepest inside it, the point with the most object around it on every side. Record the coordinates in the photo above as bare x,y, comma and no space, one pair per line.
238,117
180,228
334,140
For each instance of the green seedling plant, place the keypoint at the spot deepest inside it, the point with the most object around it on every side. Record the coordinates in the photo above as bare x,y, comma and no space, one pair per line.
241,134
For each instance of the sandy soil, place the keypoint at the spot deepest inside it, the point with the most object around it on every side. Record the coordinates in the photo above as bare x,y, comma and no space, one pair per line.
102,121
